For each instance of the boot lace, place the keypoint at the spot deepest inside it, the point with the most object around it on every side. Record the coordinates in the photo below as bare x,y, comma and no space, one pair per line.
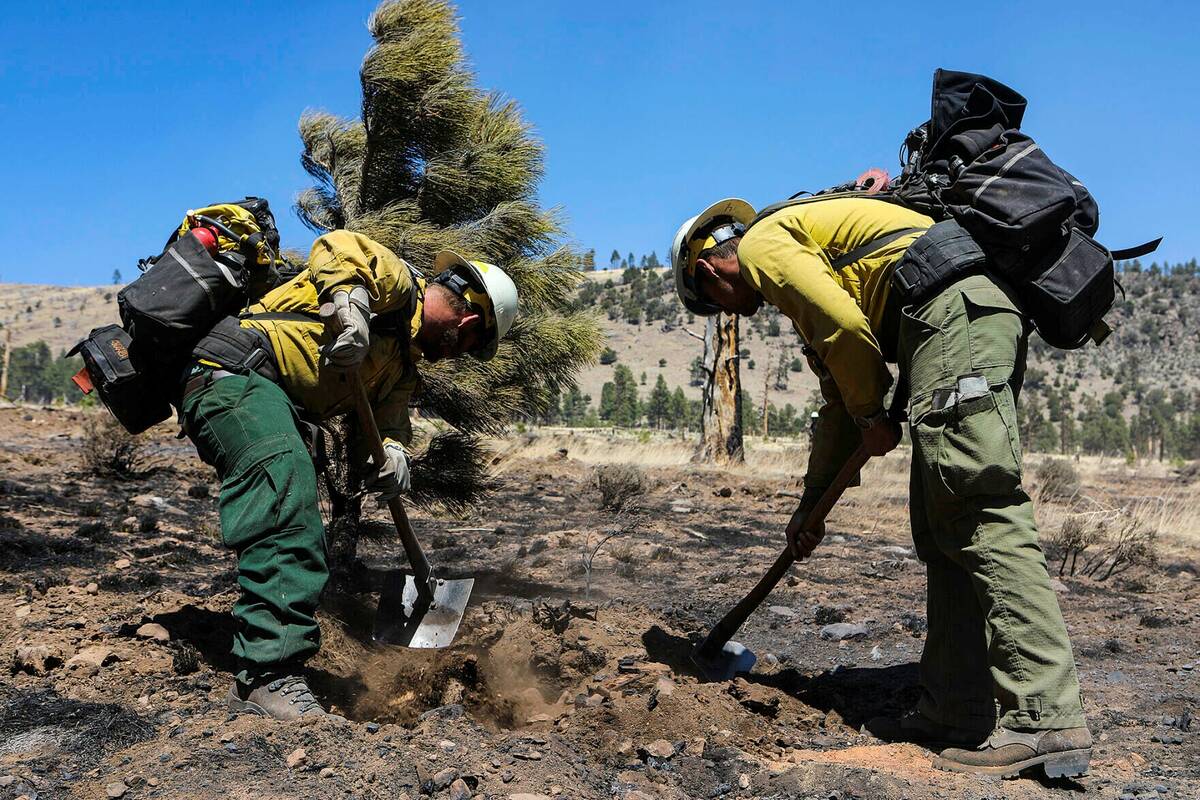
295,688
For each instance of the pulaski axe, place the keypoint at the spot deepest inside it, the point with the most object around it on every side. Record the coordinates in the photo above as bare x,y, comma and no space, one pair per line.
720,659
417,610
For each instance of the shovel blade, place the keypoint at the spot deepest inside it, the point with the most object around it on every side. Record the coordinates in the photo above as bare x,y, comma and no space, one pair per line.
405,618
723,664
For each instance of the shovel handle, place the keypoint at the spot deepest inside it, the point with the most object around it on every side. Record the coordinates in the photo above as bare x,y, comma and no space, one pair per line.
724,630
422,571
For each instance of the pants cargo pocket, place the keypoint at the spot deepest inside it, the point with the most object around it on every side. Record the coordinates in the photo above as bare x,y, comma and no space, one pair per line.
978,446
250,496
994,329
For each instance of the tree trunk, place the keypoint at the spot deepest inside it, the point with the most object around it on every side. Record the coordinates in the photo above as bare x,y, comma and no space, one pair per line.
766,418
7,358
721,415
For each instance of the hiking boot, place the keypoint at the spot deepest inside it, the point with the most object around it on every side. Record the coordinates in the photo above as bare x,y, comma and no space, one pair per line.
917,728
285,698
1060,753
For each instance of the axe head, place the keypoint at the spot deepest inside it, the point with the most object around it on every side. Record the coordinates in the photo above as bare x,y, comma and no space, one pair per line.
410,618
724,663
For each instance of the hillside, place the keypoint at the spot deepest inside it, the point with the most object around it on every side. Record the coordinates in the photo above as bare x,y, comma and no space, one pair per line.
1152,358
1154,345
57,315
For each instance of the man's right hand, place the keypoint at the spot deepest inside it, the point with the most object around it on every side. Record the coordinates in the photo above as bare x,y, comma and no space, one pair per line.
802,542
353,309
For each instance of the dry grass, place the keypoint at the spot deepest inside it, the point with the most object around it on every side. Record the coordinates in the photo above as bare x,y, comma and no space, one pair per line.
1106,485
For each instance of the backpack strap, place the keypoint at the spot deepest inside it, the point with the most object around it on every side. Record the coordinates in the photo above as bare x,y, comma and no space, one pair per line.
865,250
282,316
796,200
1136,251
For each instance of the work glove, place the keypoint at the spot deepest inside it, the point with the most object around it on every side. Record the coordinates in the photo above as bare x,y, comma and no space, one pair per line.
393,477
353,309
803,542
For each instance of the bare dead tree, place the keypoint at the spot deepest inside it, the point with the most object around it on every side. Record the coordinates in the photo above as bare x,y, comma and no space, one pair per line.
721,410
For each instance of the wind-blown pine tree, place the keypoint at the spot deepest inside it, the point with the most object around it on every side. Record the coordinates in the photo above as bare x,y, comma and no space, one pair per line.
436,162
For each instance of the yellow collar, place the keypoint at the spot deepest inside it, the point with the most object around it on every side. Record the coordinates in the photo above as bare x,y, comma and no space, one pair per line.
415,322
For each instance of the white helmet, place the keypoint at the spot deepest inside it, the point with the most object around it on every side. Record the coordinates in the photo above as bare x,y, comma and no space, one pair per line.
686,246
486,286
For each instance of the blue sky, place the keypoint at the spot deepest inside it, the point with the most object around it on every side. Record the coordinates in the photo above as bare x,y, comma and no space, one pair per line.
119,116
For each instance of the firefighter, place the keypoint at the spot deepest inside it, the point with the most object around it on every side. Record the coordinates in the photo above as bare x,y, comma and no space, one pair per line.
245,423
997,672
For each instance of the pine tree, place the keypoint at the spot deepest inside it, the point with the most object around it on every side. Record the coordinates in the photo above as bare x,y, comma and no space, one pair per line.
614,260
658,407
626,410
608,400
435,162
679,409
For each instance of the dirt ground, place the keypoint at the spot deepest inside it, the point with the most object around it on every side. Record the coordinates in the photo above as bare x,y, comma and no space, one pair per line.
570,677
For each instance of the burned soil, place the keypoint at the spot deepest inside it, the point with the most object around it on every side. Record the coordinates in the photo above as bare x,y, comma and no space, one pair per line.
570,676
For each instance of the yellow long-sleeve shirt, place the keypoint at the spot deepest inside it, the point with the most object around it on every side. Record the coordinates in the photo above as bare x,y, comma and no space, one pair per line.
839,313
339,261
788,258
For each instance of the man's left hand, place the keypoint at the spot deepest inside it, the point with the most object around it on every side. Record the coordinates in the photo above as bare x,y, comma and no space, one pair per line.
882,436
393,476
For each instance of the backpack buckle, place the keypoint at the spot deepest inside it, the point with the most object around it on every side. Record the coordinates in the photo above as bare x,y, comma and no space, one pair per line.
255,359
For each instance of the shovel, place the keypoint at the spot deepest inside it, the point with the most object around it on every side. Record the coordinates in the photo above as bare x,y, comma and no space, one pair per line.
720,659
416,610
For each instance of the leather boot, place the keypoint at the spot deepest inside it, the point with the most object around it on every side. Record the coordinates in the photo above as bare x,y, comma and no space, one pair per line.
285,698
1060,753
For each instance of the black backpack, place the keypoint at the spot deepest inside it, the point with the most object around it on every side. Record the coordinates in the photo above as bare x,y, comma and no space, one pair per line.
220,259
1001,204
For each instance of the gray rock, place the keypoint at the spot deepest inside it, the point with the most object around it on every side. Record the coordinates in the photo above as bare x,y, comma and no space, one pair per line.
782,611
452,711
840,631
444,778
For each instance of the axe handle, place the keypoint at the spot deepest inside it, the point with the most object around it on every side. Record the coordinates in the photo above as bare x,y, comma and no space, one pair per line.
724,630
422,571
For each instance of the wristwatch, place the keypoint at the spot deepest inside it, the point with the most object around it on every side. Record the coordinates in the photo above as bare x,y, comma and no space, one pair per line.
870,420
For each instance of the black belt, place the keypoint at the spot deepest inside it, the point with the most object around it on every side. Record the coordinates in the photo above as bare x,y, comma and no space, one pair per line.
203,379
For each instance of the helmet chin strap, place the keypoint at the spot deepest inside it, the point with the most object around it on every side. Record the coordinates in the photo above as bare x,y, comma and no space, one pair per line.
453,281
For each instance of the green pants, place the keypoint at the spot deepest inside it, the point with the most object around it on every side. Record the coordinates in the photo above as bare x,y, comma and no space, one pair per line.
245,427
997,643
